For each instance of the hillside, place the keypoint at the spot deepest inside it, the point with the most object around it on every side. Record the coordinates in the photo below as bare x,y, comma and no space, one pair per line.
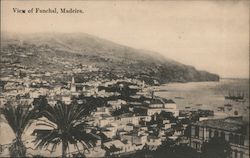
50,52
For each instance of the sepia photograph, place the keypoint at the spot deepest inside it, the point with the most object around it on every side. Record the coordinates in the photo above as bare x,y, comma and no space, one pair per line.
124,78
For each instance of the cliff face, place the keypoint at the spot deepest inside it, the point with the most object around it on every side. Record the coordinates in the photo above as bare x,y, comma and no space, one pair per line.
38,50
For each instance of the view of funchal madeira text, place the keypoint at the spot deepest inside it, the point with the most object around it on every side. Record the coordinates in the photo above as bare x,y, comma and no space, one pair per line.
77,94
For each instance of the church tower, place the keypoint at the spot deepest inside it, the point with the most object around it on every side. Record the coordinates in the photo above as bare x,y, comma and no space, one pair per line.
73,85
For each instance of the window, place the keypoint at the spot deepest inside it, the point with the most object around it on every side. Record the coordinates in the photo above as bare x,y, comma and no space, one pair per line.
237,139
235,154
222,134
242,138
201,132
197,146
192,131
241,154
210,133
216,133
231,138
197,131
193,145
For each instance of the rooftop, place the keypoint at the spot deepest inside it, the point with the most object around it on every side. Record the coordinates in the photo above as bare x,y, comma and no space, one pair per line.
229,124
169,101
116,143
156,101
126,115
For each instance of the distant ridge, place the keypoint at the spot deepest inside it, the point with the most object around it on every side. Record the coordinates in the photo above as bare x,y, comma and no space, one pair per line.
104,54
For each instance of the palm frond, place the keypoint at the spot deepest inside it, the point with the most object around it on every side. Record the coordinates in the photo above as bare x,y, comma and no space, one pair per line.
45,137
70,126
18,118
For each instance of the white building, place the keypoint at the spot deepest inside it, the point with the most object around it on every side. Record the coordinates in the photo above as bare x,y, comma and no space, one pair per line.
125,119
72,85
117,104
153,142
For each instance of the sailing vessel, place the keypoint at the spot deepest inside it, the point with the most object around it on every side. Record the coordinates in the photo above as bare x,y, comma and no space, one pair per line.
239,96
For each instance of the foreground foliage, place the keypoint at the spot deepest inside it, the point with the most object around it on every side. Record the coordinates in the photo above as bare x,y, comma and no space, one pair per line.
66,125
18,118
217,147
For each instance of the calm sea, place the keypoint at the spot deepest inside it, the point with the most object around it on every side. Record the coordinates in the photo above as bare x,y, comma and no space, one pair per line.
208,95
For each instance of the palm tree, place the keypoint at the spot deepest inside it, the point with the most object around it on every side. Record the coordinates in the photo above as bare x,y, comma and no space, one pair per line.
66,125
19,119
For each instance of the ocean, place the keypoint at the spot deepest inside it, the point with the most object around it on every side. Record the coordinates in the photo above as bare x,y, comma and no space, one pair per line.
208,95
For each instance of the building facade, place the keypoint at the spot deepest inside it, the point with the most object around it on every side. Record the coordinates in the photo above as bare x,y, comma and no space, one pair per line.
235,131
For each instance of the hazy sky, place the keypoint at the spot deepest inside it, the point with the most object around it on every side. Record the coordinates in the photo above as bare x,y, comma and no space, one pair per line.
209,35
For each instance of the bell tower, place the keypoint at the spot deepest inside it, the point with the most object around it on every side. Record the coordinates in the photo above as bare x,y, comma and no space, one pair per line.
73,85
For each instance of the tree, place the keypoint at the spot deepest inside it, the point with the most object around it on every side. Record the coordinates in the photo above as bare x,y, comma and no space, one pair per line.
67,125
19,119
171,150
217,147
40,103
169,116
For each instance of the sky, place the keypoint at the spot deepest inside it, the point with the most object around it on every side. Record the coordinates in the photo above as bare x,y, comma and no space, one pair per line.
210,35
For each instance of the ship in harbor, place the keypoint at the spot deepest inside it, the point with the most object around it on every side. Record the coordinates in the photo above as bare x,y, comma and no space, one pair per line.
235,96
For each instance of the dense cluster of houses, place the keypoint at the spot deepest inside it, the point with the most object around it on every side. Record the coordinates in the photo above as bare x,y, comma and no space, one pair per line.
127,124
126,132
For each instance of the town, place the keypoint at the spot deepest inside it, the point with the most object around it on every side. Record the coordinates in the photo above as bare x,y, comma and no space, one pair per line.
128,79
125,117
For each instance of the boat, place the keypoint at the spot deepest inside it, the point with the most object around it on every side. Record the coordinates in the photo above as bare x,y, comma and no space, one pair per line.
228,105
221,108
161,90
239,96
178,97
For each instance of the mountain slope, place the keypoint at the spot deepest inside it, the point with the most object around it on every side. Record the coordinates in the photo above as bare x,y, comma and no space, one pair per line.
51,52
